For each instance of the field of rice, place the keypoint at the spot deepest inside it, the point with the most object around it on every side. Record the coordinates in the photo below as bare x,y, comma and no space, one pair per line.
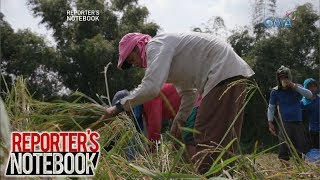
124,152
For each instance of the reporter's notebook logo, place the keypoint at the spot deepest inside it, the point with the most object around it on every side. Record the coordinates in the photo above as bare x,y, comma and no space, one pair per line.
53,154
83,15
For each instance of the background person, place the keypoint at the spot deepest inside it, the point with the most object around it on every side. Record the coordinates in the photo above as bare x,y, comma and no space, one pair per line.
138,122
154,112
287,96
161,108
311,108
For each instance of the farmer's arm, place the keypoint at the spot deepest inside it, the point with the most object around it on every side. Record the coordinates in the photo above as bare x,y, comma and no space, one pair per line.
304,92
270,113
300,89
159,61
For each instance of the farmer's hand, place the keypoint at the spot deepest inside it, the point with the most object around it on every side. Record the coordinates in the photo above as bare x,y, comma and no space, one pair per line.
272,129
109,112
290,83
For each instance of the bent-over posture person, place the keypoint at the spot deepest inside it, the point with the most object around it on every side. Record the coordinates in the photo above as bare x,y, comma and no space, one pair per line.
196,63
155,111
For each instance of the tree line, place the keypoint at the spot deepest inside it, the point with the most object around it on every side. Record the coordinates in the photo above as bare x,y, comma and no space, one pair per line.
84,48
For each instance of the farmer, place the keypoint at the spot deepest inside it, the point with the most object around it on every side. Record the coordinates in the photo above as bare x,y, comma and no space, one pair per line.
136,110
287,96
311,107
154,112
162,108
196,63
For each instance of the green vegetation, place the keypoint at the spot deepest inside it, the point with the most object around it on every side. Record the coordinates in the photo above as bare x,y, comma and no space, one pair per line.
166,162
39,101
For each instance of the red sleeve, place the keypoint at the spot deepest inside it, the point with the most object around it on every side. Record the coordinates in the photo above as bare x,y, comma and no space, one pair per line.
169,90
153,115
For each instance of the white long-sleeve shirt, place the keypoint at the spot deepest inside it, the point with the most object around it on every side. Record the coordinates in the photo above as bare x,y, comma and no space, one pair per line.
192,62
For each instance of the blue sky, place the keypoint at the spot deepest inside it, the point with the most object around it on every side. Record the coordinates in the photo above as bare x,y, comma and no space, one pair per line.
171,15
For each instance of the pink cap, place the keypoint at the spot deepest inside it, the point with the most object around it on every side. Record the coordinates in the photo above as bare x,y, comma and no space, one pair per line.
127,44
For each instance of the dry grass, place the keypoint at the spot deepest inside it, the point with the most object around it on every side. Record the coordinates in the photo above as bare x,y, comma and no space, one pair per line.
165,163
273,168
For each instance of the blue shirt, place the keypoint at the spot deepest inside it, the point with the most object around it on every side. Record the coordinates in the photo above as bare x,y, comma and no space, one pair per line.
312,112
289,104
138,114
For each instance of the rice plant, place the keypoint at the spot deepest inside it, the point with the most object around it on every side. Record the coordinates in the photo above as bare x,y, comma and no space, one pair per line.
125,153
